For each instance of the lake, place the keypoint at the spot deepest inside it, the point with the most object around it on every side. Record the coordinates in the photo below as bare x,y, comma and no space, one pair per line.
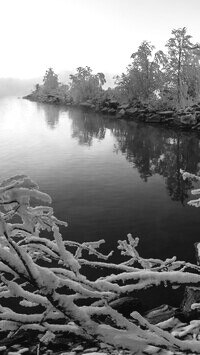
107,177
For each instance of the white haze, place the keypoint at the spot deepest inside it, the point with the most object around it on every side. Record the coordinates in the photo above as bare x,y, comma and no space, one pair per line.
102,34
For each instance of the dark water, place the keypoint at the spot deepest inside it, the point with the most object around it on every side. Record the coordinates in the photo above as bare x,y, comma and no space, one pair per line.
107,178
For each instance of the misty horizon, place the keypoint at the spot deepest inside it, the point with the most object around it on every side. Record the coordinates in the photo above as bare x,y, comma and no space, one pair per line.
14,86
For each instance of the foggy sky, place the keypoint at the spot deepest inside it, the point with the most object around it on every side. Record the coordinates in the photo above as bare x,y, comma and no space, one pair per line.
65,34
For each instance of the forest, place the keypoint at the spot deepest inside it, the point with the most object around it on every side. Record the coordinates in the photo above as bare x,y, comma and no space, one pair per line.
163,80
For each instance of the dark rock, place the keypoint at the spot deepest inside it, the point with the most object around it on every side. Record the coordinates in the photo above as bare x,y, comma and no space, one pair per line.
121,113
160,314
197,244
155,118
138,104
144,110
124,106
185,313
90,350
167,120
106,103
197,126
197,115
180,112
189,120
188,109
131,111
21,337
86,104
166,113
111,111
152,110
192,295
177,121
126,305
195,106
113,104
142,117
104,110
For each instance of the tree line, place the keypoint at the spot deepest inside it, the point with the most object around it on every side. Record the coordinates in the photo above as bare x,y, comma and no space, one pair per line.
168,79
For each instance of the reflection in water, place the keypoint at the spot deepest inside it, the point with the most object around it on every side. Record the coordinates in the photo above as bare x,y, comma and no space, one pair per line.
51,113
86,126
107,177
152,150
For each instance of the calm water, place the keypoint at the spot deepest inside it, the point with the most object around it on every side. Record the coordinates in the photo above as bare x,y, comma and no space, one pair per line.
107,178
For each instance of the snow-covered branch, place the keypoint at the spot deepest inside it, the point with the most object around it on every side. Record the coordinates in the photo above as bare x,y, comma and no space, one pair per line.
59,286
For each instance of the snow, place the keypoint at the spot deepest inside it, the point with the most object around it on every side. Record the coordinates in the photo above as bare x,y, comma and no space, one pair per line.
21,247
67,257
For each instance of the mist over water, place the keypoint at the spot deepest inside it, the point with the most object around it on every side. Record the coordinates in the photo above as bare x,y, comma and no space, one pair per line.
16,87
107,178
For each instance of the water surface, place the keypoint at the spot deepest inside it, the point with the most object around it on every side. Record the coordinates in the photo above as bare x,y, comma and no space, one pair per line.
107,178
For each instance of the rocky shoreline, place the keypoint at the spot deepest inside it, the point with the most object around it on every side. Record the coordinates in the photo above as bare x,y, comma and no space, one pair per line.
185,118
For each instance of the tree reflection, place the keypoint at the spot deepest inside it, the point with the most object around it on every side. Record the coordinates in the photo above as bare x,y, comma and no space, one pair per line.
152,150
51,113
142,146
86,126
155,150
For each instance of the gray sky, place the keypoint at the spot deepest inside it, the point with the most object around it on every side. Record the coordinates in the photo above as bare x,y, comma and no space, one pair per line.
65,34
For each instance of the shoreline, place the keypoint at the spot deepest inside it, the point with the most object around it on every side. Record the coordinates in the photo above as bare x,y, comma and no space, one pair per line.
187,118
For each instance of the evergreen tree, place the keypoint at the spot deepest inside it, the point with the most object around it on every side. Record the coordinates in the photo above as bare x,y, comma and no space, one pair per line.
143,76
50,80
182,69
85,85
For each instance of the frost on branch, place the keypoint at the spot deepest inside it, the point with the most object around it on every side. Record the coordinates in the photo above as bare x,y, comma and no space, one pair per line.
44,273
186,175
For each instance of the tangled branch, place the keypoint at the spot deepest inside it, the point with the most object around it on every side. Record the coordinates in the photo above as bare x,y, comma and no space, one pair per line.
46,277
